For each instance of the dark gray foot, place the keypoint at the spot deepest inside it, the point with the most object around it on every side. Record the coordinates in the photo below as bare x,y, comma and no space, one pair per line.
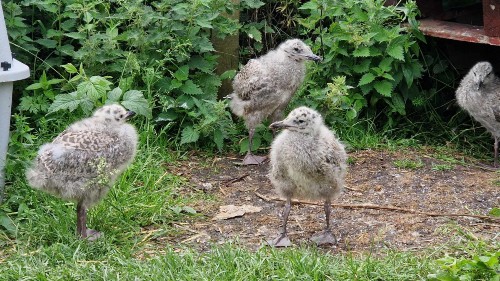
280,241
324,238
93,235
251,159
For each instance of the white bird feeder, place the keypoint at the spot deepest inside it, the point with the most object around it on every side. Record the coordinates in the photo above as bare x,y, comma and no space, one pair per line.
10,70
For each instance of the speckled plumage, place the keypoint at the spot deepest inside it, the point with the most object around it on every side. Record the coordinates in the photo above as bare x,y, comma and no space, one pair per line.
479,94
265,86
307,160
82,162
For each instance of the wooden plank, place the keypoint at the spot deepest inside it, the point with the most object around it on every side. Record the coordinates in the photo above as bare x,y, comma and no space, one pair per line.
457,31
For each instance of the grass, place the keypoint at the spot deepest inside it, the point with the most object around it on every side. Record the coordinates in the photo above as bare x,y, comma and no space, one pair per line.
408,164
38,242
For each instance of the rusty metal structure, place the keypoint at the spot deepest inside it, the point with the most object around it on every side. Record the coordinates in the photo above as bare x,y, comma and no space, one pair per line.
472,21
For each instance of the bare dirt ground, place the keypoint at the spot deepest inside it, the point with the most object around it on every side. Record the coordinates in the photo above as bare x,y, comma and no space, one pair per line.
374,177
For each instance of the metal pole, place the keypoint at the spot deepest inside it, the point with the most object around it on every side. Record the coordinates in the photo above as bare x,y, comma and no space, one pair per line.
5,111
10,70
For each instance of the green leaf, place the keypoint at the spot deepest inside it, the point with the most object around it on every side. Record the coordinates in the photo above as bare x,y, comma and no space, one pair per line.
182,73
189,210
189,135
167,116
362,67
254,33
219,139
191,88
383,87
70,102
48,43
7,223
70,68
34,86
366,79
228,74
114,95
361,52
254,4
134,100
495,212
309,6
386,64
396,51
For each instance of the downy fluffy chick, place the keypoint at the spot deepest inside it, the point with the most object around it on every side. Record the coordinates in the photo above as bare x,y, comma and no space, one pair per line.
83,162
307,162
264,87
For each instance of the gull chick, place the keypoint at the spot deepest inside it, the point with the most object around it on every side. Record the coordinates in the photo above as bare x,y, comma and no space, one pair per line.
307,162
83,162
479,94
265,86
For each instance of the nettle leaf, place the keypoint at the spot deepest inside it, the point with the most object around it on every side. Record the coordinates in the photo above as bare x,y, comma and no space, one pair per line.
182,73
383,87
189,135
366,79
396,51
363,66
361,52
114,95
134,100
385,64
191,88
203,45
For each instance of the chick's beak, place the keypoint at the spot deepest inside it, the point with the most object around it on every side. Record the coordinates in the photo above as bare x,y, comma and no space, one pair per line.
279,125
129,114
314,58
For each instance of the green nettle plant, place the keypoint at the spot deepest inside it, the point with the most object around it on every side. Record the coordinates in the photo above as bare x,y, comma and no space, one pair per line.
371,57
161,48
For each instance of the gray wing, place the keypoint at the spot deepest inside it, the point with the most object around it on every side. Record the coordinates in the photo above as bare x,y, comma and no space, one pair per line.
251,81
81,154
85,140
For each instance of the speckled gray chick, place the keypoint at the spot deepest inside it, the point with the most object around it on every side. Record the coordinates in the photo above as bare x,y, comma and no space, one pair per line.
83,162
307,162
265,86
479,94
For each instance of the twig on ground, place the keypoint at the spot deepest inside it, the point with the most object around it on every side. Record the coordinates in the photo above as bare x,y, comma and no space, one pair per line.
233,180
378,207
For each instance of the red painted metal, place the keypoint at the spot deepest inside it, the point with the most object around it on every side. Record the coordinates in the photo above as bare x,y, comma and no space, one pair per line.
457,31
491,17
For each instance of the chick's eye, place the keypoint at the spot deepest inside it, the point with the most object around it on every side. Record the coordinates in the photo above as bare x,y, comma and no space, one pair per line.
296,50
301,121
121,115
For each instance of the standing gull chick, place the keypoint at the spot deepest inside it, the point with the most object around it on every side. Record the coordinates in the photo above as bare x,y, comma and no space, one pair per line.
479,95
307,162
264,87
83,162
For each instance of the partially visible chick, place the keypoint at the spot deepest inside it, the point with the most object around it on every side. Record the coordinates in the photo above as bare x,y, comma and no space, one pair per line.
307,162
479,94
83,162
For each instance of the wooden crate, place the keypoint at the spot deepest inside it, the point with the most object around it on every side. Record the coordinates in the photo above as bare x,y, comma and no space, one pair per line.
491,17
